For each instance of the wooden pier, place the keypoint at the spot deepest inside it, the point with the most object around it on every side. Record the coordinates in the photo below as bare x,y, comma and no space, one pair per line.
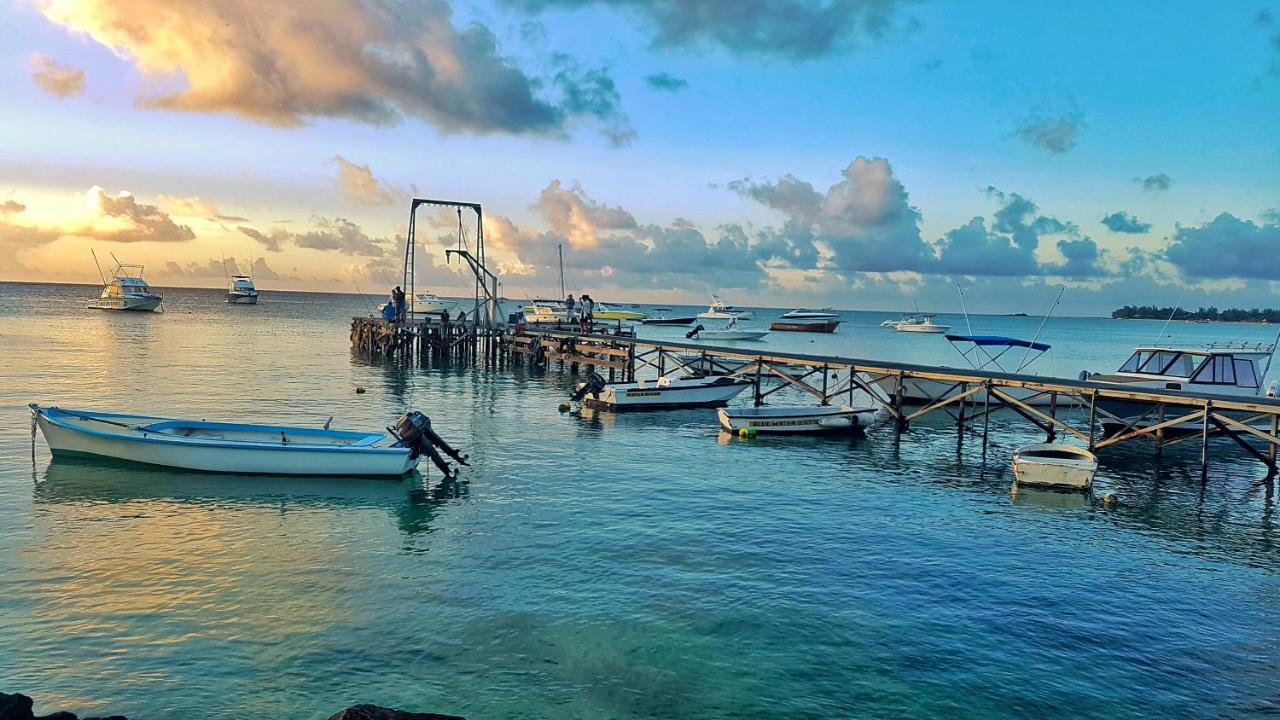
970,397
427,338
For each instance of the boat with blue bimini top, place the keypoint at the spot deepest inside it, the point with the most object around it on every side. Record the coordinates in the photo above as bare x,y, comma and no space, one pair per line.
981,352
241,448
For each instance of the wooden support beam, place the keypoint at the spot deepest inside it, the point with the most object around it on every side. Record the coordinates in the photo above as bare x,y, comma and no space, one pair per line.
1150,429
1047,420
943,403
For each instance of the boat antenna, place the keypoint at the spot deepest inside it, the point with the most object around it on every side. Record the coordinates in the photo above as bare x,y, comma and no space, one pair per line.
225,274
1023,363
965,310
1166,324
101,276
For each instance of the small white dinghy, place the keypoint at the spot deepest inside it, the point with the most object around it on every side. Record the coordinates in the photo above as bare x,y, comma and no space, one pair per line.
795,418
730,332
1054,465
238,448
665,392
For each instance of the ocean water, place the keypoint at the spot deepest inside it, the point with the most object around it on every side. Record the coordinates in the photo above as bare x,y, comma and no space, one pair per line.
602,565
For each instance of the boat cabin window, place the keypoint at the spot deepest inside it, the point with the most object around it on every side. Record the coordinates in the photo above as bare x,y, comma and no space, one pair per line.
1245,375
1163,362
1135,361
1217,370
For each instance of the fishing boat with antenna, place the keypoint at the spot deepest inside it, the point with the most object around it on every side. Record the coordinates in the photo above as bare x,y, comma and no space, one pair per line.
125,290
225,447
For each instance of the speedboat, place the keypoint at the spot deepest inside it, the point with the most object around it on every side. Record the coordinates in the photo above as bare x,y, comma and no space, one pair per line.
604,312
540,314
924,325
981,352
664,320
1231,369
1054,465
816,321
795,419
730,332
242,291
720,311
126,290
240,448
429,302
665,392
906,318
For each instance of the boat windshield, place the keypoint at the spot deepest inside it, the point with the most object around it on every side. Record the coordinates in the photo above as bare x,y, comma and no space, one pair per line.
1161,362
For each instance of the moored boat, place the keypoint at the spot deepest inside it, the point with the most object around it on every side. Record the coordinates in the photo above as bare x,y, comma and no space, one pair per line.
721,311
924,325
604,312
429,302
668,320
813,325
126,290
239,448
665,392
242,291
795,419
1054,465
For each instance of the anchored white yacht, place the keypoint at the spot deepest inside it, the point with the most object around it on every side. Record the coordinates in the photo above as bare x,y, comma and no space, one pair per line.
924,325
720,311
242,291
429,302
126,290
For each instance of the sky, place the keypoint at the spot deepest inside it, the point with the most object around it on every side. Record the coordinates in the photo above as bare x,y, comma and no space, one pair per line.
862,154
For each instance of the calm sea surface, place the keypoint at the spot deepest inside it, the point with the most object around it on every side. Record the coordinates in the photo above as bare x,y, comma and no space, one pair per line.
604,566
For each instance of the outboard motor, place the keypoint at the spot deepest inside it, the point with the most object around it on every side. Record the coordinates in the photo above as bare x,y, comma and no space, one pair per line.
697,329
593,384
1084,375
413,431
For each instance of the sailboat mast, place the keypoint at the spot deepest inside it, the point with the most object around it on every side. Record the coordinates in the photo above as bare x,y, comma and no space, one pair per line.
560,253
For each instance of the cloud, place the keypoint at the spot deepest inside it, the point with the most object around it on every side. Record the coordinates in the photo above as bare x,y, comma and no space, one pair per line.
135,221
865,221
373,62
791,29
1055,133
54,77
331,235
591,92
357,184
219,269
11,207
667,82
576,217
193,207
1155,182
1227,247
1123,222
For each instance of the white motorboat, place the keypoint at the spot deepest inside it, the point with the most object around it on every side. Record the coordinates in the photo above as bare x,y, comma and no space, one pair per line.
665,392
795,419
240,448
429,302
668,320
242,291
924,325
1230,369
729,332
720,311
126,290
803,314
604,312
814,321
542,314
1054,465
906,318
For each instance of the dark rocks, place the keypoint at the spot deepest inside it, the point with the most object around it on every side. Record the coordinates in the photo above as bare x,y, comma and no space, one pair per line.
18,707
15,707
375,712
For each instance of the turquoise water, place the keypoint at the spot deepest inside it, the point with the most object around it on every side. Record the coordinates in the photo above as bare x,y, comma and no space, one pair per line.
603,566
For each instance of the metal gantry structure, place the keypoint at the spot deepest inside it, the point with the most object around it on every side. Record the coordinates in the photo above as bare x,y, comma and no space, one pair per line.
485,309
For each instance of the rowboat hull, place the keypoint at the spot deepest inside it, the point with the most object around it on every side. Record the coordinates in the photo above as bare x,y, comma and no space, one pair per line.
1055,465
677,393
796,420
68,436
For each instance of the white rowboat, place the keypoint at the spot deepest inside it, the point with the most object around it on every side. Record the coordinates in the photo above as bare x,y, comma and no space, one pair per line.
795,419
1054,465
222,447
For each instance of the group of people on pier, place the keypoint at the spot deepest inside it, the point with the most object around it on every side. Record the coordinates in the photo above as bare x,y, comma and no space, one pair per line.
588,308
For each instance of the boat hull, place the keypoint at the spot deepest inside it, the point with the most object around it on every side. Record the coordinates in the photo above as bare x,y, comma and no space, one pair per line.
137,304
669,321
813,326
234,298
67,441
795,420
922,391
923,328
626,315
681,393
1054,466
732,334
743,315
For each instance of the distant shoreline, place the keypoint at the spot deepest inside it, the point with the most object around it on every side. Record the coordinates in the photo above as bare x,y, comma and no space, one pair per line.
1210,314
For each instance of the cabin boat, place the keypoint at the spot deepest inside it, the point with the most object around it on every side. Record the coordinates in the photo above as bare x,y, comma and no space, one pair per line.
1054,465
720,311
429,302
1231,369
242,291
126,290
802,419
981,352
604,312
223,447
906,318
816,321
664,393
540,314
924,325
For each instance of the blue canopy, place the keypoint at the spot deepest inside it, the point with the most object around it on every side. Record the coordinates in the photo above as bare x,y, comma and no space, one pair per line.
999,340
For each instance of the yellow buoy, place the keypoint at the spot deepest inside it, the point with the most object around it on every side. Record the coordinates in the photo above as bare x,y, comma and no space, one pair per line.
564,407
1109,499
742,432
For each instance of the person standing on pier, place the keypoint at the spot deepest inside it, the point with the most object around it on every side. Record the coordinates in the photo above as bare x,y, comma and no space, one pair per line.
569,303
588,310
397,297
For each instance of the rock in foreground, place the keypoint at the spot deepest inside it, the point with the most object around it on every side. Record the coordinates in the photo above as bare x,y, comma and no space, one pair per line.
375,712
